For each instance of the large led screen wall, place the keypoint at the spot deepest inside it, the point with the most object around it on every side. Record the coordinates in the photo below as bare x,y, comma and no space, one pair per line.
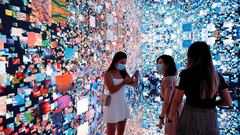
169,27
53,54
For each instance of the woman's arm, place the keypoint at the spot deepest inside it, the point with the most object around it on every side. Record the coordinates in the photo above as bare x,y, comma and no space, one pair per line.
109,83
176,103
167,98
226,99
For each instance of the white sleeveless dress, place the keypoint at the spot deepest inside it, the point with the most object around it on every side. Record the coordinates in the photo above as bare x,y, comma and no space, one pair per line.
117,110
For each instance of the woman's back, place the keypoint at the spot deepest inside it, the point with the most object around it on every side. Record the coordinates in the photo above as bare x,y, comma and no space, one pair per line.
168,83
200,83
190,83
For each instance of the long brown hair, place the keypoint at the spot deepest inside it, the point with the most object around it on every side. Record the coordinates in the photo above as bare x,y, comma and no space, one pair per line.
171,66
199,58
117,57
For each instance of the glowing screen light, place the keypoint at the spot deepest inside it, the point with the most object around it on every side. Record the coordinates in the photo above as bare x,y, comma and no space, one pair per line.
169,27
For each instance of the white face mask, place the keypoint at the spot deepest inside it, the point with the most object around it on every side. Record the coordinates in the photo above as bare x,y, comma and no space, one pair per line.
159,68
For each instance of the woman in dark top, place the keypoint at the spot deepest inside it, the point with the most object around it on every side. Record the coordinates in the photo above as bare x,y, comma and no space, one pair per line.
201,83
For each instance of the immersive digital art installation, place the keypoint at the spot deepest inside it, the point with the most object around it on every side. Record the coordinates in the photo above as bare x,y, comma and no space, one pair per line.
53,54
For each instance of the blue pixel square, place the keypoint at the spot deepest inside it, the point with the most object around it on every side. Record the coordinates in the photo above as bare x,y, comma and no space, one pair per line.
145,124
186,43
217,57
217,9
40,77
187,27
177,6
238,33
158,33
69,53
18,100
4,38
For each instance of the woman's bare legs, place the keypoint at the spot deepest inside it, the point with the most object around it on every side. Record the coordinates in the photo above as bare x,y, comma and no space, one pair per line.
111,128
121,127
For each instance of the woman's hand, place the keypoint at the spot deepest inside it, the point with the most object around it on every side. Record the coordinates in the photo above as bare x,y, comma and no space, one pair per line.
160,123
128,80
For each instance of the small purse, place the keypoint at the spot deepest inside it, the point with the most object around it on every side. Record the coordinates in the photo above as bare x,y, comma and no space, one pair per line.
105,99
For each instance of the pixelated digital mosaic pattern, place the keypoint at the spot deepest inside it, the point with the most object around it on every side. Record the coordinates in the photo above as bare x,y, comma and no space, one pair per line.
41,11
50,73
169,27
59,11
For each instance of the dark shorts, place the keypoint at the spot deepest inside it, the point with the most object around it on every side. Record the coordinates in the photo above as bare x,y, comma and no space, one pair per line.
198,121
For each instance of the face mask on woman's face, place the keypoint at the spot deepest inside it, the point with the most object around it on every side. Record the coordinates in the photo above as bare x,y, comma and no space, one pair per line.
121,67
159,68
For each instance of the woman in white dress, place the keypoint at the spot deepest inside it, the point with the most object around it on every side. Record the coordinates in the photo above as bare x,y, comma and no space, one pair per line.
116,77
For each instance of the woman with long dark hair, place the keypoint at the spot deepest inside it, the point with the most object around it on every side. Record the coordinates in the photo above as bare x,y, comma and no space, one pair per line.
115,79
201,84
166,66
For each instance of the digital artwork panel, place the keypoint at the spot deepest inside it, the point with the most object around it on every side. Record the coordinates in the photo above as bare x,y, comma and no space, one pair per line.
59,11
41,11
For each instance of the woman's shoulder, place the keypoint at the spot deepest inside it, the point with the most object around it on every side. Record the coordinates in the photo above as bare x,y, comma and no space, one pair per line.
170,79
108,73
